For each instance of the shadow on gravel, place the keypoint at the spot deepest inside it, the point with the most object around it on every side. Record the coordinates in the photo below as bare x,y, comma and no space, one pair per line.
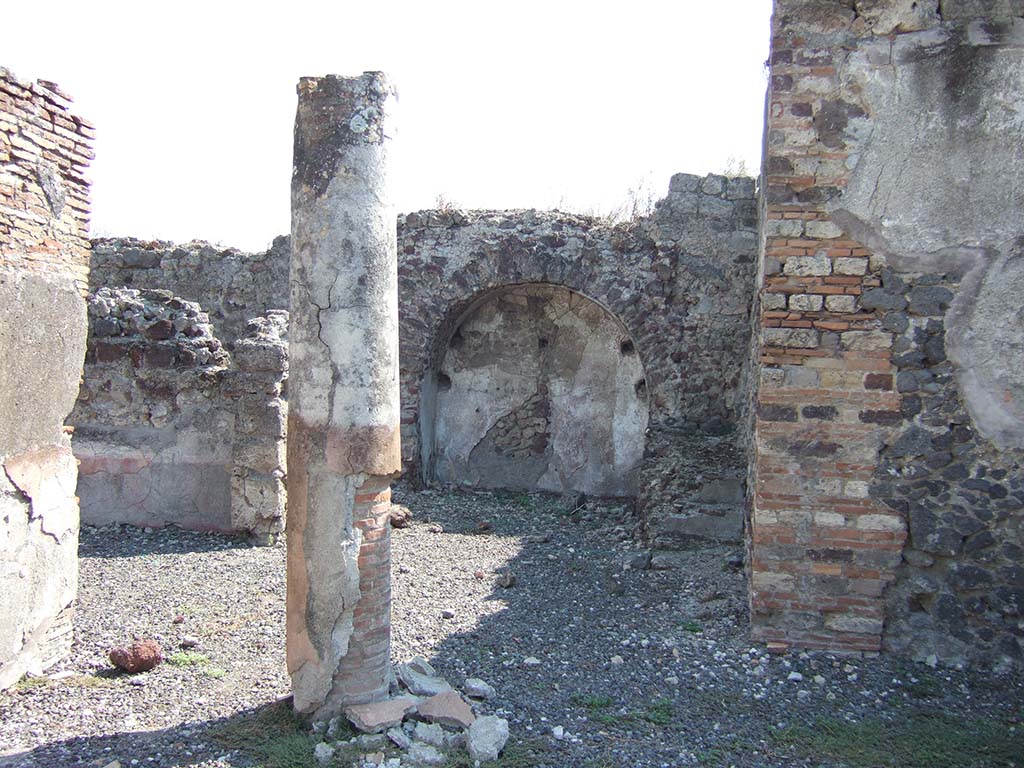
266,735
115,541
583,643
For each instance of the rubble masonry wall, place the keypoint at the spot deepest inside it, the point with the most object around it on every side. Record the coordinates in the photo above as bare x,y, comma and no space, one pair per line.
679,281
171,428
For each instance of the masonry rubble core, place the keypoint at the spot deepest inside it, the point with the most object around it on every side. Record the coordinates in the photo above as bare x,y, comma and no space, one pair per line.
828,367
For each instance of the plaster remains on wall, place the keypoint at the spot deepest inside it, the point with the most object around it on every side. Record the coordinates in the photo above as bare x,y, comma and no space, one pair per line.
541,389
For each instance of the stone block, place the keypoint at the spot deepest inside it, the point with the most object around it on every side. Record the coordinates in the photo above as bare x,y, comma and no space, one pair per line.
379,716
806,302
861,624
841,304
257,416
823,230
447,708
799,338
262,455
866,341
808,266
722,491
845,265
723,523
880,523
252,355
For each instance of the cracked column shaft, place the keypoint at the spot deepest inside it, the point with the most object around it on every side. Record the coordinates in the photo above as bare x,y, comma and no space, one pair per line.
343,421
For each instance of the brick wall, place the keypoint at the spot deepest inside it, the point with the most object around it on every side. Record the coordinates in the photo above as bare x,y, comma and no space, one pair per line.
44,262
862,423
44,193
822,550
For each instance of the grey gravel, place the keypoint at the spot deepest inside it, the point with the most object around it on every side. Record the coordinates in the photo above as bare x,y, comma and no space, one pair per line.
681,634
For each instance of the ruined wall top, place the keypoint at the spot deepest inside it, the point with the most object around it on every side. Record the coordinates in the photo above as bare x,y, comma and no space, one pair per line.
232,286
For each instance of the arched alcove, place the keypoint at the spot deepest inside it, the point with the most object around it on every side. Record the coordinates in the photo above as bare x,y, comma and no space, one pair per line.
537,387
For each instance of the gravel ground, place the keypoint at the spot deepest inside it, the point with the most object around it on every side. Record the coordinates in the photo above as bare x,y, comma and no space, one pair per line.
632,667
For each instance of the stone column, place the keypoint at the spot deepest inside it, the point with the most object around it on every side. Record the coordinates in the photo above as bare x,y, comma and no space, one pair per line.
343,423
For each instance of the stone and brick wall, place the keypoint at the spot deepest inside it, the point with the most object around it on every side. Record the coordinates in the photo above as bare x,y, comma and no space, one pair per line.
44,264
887,490
170,428
679,280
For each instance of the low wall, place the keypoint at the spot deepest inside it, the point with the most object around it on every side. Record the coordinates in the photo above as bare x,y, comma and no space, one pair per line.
170,429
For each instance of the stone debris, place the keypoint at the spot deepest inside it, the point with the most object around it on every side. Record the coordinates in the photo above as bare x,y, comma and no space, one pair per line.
420,678
378,717
476,688
487,737
140,656
448,708
640,561
323,753
399,737
371,741
429,733
424,754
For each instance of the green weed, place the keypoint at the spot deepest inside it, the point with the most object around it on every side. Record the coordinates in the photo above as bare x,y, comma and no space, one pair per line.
187,659
922,739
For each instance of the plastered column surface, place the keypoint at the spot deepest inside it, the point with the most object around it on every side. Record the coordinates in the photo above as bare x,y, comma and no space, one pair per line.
343,438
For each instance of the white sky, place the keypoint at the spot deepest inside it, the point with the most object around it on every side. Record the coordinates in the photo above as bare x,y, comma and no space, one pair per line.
502,105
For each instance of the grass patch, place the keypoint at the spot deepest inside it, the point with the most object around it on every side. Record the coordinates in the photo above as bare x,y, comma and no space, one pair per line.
518,753
87,681
215,672
188,659
919,740
692,625
591,702
924,688
659,712
513,498
31,683
273,737
597,708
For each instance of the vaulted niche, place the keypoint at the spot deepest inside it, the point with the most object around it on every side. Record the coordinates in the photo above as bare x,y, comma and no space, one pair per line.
539,388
